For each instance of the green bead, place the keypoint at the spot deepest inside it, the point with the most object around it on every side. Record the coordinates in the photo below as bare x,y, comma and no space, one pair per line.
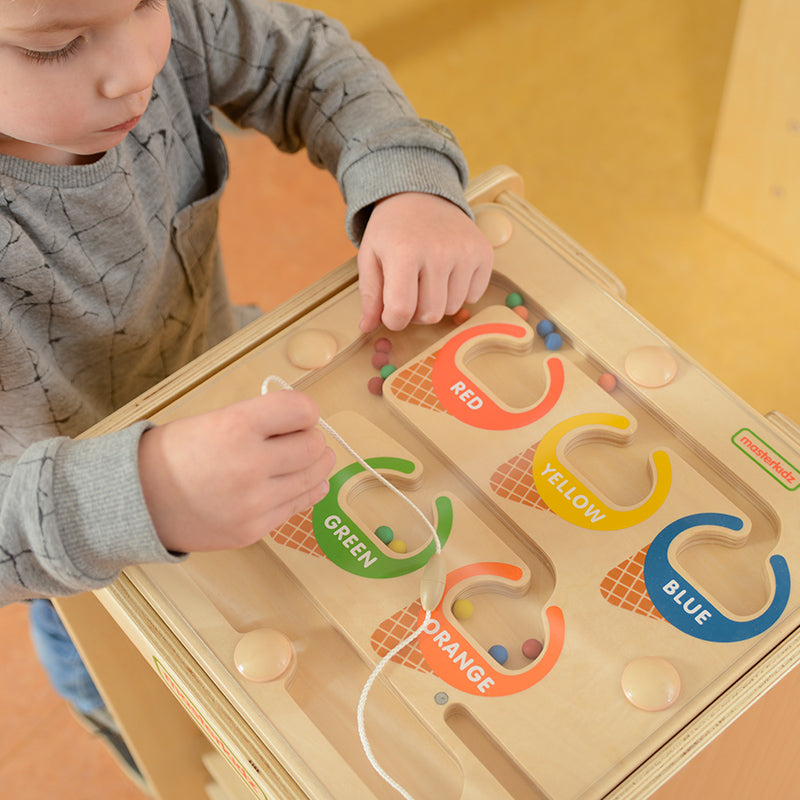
384,533
387,370
514,299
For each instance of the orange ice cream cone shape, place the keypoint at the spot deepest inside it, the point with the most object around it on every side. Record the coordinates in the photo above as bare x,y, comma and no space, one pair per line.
297,533
414,384
513,481
624,586
394,630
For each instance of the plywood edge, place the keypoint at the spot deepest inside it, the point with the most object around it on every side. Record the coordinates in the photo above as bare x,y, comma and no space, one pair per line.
721,713
163,741
489,185
787,426
224,726
563,244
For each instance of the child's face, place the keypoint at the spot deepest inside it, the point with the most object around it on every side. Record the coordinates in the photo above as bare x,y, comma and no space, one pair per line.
76,75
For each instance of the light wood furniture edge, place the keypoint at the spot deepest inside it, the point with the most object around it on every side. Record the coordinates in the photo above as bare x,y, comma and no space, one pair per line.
148,724
714,719
126,606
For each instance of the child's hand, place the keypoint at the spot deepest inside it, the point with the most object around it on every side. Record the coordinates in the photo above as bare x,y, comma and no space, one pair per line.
225,479
421,258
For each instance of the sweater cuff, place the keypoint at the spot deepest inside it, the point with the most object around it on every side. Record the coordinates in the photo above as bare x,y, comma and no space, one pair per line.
101,514
387,172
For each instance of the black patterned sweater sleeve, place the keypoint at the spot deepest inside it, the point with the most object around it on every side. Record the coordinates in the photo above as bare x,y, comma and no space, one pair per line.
72,516
296,76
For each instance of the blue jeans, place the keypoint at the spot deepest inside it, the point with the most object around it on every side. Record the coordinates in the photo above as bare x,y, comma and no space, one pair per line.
57,654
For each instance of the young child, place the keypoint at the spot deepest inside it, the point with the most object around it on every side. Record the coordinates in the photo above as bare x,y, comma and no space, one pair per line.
110,275
111,279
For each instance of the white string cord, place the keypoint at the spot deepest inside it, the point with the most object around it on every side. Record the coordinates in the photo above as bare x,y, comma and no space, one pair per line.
362,702
328,429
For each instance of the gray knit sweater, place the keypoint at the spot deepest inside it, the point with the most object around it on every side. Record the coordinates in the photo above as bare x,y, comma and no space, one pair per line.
110,277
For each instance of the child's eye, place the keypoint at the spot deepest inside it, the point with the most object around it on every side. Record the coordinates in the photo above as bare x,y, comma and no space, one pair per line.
57,56
54,56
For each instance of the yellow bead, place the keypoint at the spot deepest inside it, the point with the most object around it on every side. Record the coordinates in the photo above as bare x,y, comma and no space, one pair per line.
462,609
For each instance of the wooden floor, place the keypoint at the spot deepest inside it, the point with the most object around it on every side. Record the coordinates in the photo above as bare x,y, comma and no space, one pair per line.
608,112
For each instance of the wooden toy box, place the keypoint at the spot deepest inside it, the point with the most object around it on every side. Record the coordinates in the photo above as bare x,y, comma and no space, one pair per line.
606,502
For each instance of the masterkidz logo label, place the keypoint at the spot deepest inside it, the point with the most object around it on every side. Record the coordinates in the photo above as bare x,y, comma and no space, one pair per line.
768,459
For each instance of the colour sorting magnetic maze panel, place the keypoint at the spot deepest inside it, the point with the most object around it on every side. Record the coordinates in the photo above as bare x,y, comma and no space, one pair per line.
549,470
587,524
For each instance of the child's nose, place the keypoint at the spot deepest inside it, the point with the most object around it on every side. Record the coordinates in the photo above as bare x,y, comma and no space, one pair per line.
130,66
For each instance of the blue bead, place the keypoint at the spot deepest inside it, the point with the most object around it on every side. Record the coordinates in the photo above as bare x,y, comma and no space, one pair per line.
552,341
545,327
498,653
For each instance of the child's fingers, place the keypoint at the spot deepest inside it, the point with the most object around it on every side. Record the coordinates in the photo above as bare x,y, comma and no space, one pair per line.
370,286
401,286
433,297
277,498
300,491
443,290
479,280
279,412
289,453
457,289
208,481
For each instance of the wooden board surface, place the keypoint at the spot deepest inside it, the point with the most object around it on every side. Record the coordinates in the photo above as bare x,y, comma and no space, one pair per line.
684,470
